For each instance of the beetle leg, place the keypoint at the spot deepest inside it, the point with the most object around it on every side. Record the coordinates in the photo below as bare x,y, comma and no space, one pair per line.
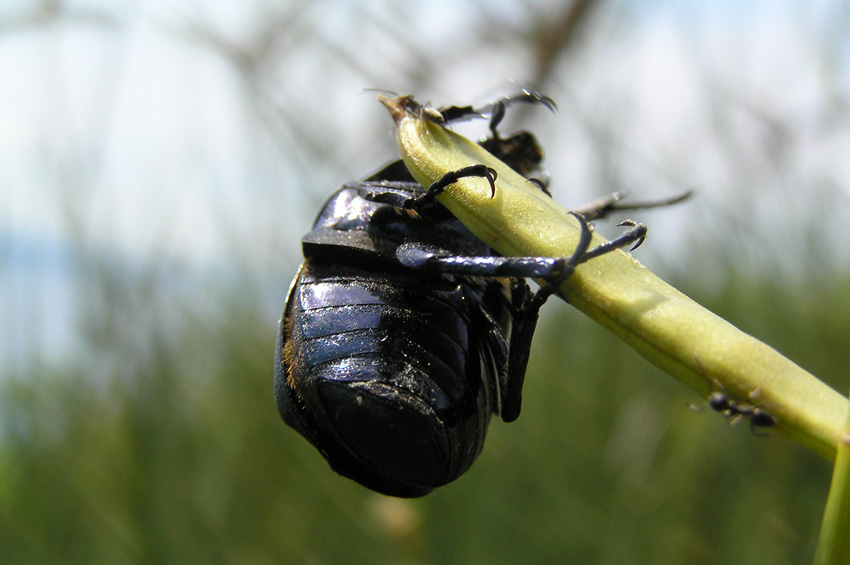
578,257
526,96
527,305
522,333
601,207
495,110
449,178
421,256
410,196
542,185
525,319
499,324
636,235
556,270
525,322
606,205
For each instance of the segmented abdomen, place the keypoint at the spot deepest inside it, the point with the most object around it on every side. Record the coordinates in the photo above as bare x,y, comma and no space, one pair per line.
389,371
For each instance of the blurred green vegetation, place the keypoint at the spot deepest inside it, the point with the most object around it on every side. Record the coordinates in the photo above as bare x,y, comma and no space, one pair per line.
184,458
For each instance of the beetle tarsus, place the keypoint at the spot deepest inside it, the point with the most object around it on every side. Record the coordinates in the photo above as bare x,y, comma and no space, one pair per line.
636,234
570,264
438,186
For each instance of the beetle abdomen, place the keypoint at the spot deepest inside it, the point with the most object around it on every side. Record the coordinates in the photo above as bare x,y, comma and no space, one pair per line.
382,373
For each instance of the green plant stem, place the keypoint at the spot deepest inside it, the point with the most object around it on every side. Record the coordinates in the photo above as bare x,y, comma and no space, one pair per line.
834,542
666,327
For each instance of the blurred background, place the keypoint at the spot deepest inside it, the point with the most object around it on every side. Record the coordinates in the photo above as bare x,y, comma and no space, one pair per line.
159,161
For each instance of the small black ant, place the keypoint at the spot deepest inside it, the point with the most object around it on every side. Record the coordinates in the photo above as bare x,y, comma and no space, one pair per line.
720,402
731,408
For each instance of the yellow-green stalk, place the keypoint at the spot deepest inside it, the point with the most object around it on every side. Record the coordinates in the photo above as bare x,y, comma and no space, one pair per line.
666,327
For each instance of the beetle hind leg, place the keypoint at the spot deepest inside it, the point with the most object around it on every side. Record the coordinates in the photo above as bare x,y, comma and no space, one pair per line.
606,205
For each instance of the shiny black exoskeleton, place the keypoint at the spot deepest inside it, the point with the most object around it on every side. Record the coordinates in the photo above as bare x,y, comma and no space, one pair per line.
403,333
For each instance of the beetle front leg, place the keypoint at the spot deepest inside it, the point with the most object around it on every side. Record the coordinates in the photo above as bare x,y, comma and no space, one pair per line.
449,178
398,194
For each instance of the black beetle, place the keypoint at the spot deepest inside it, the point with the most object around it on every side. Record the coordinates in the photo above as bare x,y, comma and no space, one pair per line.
403,333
